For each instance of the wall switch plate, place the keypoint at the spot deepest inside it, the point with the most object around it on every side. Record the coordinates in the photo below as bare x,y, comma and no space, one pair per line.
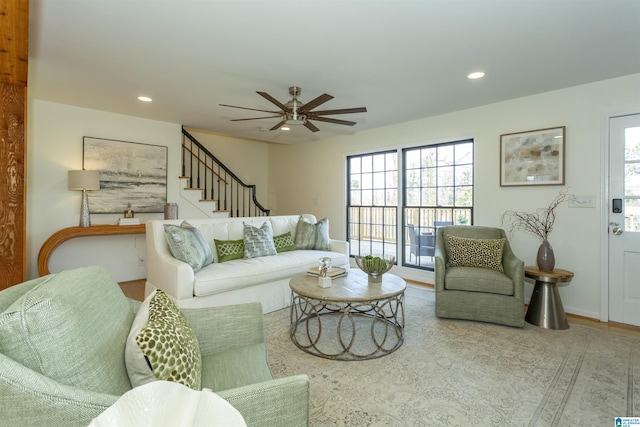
583,202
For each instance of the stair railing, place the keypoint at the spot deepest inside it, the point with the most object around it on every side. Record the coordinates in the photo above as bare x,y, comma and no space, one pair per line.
217,182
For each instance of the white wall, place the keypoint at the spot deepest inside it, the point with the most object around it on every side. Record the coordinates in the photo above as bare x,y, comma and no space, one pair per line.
304,173
54,147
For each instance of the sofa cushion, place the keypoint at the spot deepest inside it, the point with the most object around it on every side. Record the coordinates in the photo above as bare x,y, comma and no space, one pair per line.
229,249
284,242
472,279
312,236
187,244
72,327
258,241
481,253
162,345
241,273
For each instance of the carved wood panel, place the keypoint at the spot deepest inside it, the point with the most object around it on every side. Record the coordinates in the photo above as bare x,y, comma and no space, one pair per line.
12,184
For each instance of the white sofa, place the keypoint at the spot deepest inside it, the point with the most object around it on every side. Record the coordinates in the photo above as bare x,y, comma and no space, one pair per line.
263,279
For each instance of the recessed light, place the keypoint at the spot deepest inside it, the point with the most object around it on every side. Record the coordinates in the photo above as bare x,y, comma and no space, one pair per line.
144,99
476,75
285,128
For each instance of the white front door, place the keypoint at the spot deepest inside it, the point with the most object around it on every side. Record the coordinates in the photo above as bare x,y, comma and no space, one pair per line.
624,219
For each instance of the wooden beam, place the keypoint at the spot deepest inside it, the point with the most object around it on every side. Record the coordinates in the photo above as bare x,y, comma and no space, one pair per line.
14,41
14,57
12,184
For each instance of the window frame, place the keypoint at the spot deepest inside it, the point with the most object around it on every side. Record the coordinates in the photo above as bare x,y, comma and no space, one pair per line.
389,211
432,216
394,238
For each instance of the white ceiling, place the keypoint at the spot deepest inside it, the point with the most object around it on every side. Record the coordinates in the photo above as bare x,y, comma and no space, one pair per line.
403,60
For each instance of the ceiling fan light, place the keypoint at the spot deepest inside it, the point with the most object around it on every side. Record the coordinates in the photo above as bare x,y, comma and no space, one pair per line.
295,119
476,75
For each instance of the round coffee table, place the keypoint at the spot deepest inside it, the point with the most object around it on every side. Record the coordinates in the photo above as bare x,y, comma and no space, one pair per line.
351,320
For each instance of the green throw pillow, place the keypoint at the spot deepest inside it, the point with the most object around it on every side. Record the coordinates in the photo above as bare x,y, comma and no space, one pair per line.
482,253
187,244
312,236
229,249
284,242
162,345
258,241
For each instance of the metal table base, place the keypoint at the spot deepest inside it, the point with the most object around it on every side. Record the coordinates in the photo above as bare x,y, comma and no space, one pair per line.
383,324
545,307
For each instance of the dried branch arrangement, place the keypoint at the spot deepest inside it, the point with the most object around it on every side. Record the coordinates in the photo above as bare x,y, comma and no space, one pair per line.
538,223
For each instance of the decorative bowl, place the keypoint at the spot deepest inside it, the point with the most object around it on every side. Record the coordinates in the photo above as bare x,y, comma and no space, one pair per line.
375,267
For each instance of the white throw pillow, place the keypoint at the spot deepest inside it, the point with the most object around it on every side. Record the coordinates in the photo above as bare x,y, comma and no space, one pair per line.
258,241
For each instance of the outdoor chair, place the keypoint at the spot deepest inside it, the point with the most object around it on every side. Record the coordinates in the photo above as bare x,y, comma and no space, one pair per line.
421,244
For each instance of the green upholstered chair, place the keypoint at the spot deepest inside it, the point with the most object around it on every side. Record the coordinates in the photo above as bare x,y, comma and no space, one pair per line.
62,345
474,293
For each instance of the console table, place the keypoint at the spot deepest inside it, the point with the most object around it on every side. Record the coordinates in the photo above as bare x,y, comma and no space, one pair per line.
71,232
545,307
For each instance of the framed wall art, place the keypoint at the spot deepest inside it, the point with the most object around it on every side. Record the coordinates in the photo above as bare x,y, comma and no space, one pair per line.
133,176
534,157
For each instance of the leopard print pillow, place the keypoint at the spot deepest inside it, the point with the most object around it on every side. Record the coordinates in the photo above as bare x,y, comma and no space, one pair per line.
482,253
169,344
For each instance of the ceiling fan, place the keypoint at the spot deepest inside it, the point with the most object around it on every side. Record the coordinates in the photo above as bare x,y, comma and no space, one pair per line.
295,112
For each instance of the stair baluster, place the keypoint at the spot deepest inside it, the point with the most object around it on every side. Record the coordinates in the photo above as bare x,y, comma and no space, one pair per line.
217,182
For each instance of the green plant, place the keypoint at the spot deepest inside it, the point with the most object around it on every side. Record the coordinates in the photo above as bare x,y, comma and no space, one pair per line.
374,266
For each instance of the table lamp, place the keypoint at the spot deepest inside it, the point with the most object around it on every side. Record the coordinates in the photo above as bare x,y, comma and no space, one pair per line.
84,180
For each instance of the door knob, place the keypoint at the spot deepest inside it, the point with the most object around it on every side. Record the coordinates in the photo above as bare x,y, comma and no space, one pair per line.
617,231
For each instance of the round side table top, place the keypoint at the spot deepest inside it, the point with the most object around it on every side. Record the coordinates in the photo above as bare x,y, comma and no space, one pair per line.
558,275
352,288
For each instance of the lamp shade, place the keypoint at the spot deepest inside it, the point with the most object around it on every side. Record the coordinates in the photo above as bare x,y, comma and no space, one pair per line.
84,180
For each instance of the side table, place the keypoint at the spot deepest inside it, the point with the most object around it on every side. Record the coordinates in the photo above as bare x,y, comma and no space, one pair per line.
545,307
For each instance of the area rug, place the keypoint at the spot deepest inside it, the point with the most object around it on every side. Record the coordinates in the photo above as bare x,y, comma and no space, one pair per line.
462,373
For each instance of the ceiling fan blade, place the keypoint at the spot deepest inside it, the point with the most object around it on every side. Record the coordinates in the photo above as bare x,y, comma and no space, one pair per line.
278,126
336,121
311,126
245,108
256,118
341,111
274,101
315,102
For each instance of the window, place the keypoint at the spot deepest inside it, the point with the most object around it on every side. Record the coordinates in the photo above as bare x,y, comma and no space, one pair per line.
632,179
373,203
438,191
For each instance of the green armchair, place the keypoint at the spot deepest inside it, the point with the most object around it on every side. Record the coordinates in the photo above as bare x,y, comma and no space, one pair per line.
473,293
62,344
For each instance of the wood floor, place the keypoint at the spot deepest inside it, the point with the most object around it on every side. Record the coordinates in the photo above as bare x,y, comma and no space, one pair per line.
135,289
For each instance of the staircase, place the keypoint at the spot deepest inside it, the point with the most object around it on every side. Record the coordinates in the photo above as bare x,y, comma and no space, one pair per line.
211,187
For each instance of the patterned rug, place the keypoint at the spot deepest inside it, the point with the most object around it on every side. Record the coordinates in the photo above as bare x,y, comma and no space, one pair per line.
460,373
